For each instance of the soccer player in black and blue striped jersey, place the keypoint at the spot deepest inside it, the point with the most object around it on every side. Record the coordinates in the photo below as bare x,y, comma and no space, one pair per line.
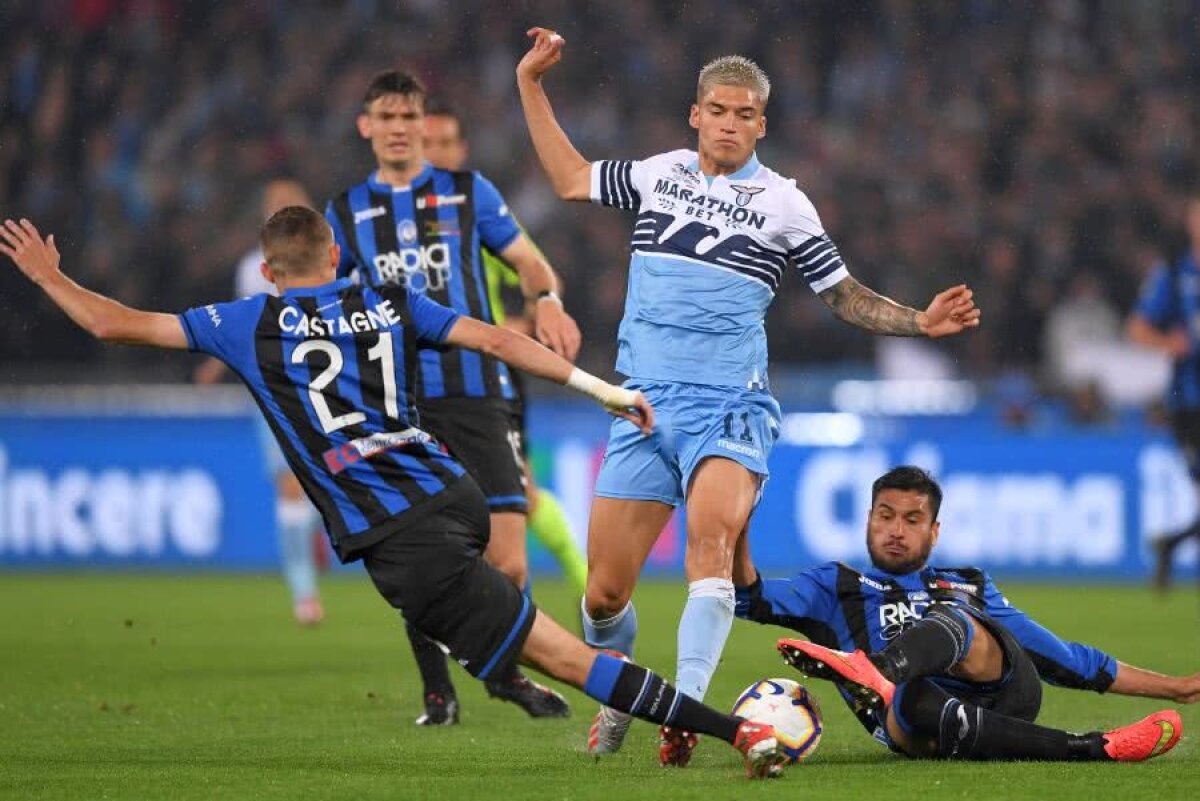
333,367
412,225
934,661
1166,318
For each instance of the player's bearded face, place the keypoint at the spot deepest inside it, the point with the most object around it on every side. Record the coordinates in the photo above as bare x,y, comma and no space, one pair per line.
395,125
901,531
730,122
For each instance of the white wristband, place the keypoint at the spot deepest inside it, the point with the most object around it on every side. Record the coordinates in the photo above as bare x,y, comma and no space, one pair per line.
604,392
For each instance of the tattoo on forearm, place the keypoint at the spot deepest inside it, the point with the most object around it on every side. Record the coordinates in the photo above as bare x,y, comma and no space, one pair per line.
860,306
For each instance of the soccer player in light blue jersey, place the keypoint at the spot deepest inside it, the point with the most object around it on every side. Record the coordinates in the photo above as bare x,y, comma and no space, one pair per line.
715,232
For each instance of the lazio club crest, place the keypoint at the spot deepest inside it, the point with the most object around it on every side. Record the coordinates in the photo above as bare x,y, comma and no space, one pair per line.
746,193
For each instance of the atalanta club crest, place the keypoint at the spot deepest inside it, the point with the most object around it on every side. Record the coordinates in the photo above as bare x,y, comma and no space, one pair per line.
406,231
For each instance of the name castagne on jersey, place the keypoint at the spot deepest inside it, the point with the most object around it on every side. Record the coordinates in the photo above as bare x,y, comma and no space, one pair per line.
381,315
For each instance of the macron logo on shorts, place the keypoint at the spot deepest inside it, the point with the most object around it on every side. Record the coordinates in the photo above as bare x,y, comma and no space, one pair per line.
739,447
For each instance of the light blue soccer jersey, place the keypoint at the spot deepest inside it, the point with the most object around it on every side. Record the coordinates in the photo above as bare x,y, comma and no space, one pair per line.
707,257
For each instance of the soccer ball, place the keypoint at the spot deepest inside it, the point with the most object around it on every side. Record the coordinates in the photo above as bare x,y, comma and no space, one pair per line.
790,709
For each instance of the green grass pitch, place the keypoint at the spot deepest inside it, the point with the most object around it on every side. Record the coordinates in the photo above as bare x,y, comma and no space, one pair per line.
200,686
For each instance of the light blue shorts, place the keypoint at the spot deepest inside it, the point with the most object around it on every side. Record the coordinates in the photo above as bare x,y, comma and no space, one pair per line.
272,456
692,423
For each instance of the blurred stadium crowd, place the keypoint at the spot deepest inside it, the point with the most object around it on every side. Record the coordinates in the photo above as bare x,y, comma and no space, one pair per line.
1040,151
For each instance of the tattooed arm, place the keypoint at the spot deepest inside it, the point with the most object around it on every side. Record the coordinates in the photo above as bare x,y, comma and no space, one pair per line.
861,307
949,312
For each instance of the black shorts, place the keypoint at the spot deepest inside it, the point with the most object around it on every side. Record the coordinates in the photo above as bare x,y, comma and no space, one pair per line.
434,573
519,406
1185,426
484,434
1017,694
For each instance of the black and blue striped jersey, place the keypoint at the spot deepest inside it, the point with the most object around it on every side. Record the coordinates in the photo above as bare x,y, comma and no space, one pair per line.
1170,299
333,370
427,237
839,607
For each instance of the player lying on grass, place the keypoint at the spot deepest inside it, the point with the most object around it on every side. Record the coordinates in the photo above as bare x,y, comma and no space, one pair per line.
941,664
332,367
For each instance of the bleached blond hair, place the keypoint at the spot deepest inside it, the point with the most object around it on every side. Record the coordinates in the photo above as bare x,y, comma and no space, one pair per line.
734,71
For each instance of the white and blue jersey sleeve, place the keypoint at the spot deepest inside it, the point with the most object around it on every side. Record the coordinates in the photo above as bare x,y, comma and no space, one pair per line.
1058,661
618,183
497,228
225,330
809,248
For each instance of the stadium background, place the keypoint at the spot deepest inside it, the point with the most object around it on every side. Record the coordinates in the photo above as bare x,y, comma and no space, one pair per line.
1040,152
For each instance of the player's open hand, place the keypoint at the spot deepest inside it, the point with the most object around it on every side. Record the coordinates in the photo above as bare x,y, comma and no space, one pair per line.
36,257
544,54
950,312
556,329
640,413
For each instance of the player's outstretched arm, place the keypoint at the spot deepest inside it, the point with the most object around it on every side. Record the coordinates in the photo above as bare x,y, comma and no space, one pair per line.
950,312
1081,666
101,317
525,354
555,328
569,172
1132,680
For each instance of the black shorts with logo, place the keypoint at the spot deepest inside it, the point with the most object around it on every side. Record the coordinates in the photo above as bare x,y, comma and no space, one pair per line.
484,434
435,574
